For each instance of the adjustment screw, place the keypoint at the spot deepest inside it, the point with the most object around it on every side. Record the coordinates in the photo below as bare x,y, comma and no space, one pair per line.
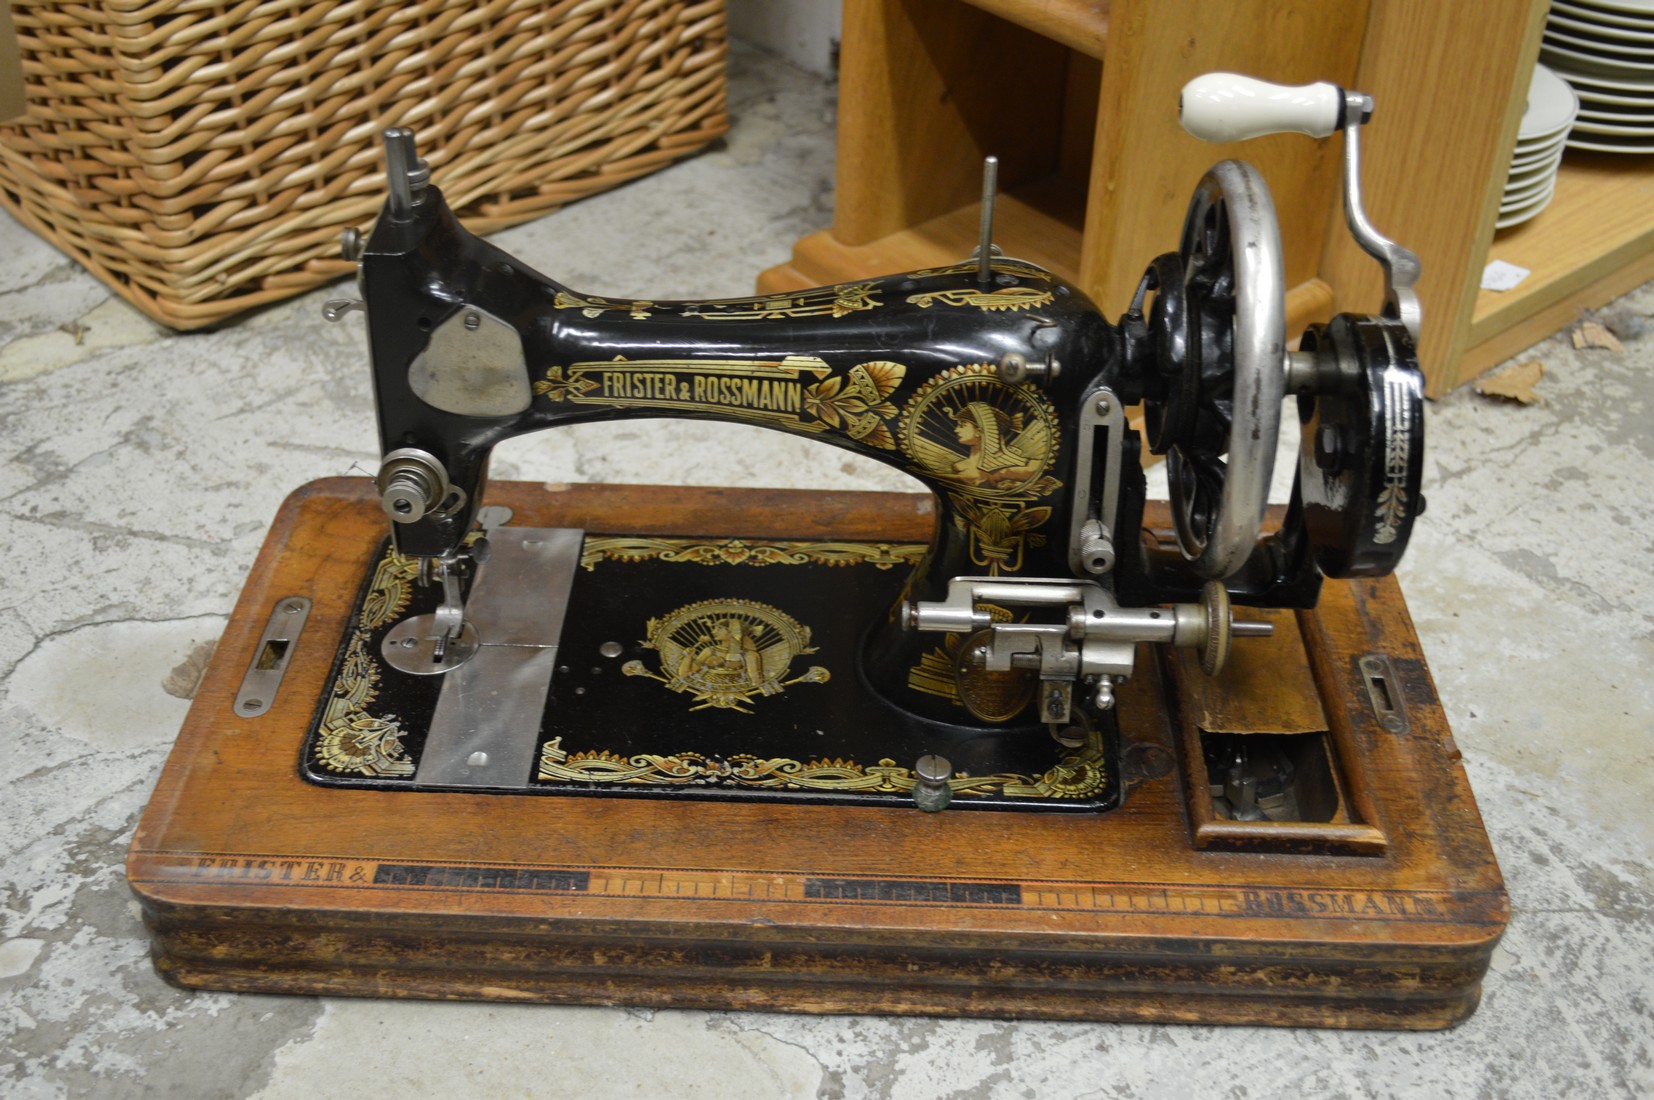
350,244
1103,406
931,791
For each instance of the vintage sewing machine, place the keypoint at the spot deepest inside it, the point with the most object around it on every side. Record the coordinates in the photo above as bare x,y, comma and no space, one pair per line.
615,744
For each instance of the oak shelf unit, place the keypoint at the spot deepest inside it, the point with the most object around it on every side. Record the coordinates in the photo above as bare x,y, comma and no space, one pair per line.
1078,98
1594,242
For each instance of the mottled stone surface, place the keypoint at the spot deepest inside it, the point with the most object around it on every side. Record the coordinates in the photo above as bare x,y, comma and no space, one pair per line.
139,470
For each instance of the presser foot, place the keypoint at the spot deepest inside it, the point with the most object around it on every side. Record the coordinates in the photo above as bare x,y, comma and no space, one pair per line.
431,644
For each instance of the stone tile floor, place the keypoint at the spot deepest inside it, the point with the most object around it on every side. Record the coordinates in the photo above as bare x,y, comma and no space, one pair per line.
140,468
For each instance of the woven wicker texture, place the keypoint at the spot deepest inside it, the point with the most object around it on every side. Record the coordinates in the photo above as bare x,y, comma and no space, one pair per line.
201,157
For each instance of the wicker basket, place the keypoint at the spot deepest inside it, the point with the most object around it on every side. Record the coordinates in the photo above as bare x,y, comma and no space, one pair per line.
201,156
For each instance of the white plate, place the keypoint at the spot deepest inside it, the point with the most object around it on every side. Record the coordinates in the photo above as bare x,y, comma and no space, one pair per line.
1519,216
1617,116
1527,158
1621,7
1524,211
1574,60
1513,205
1521,162
1641,87
1605,101
1523,177
1532,151
1551,106
1583,10
1592,30
1628,53
1517,196
1605,143
1610,128
1527,164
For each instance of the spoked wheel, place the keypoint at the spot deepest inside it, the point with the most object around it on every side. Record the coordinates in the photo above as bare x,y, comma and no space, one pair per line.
1220,412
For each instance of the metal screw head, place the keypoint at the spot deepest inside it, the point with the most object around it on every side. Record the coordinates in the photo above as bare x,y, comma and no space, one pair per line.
473,320
931,792
1103,406
932,769
350,244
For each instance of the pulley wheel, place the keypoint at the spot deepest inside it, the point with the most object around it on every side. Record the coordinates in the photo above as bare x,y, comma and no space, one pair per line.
1361,453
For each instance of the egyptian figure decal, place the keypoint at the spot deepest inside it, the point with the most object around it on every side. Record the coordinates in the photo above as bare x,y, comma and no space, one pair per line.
725,652
993,442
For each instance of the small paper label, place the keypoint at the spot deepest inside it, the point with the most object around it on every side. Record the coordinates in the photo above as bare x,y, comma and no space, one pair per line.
1498,275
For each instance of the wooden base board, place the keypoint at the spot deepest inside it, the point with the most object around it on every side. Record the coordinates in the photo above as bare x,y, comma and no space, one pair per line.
252,880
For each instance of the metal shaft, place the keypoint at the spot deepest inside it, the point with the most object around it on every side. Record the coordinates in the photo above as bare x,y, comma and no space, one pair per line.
984,248
406,175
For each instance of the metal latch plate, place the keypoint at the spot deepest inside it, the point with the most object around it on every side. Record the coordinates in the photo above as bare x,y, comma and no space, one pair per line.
271,657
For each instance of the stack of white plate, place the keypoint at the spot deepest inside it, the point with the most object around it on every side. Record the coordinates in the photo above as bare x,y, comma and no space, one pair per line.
1539,143
1605,49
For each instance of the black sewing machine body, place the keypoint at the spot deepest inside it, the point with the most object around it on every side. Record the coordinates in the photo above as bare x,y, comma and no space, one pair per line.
997,385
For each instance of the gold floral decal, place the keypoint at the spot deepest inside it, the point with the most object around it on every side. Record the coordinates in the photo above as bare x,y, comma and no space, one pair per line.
826,301
858,401
724,652
596,307
559,388
881,555
350,740
1000,532
994,301
1079,774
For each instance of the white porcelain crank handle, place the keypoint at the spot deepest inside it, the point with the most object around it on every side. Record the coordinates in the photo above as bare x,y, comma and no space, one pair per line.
1229,107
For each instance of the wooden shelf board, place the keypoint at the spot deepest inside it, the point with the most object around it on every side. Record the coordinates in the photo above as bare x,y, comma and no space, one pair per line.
1037,222
1078,24
1022,228
1601,221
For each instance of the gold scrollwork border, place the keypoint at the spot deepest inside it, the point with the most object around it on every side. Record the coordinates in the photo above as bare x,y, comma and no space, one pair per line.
1079,774
880,555
840,300
350,740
